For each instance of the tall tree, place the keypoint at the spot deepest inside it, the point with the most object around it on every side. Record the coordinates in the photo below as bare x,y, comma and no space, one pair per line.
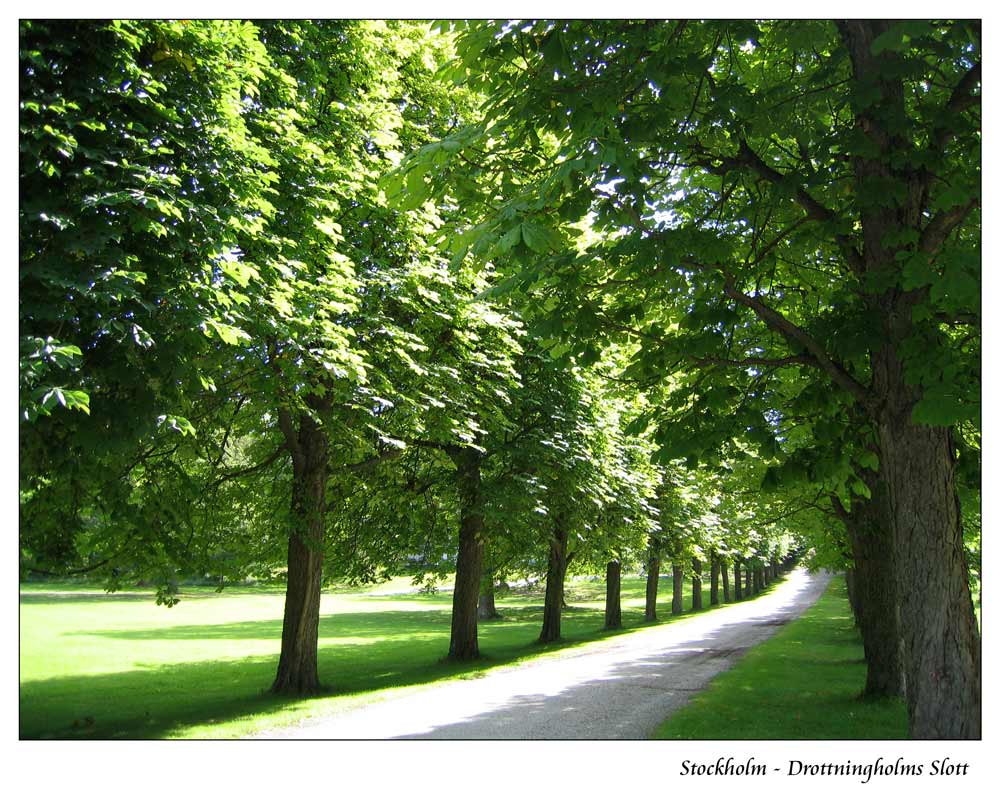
787,196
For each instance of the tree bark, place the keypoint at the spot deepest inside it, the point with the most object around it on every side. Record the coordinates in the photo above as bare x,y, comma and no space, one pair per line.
941,645
487,598
850,578
297,666
652,585
868,526
713,579
469,565
677,604
613,601
724,565
696,584
738,578
555,583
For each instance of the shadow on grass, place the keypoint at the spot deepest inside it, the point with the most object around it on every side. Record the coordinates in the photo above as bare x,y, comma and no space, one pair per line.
400,648
37,596
360,652
56,598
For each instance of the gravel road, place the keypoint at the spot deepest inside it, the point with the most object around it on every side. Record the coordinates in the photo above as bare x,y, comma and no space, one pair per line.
619,688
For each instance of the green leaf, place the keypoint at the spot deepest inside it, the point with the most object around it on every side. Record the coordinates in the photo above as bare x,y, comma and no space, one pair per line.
230,335
942,407
510,239
894,39
177,423
538,238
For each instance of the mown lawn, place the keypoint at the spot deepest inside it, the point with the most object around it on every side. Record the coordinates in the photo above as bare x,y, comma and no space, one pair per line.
804,682
94,665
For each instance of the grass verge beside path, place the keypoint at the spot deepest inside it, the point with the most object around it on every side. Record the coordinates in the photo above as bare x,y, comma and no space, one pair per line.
803,683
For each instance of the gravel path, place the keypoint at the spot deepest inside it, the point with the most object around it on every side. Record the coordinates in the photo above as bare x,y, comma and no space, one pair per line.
620,688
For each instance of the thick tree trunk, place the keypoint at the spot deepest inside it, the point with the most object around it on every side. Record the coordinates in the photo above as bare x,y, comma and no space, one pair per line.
469,565
748,585
696,584
941,645
677,603
555,583
738,578
877,609
713,579
652,585
724,565
297,666
758,577
613,601
942,655
765,576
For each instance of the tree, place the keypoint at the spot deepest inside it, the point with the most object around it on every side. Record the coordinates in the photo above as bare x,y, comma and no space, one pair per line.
127,278
786,196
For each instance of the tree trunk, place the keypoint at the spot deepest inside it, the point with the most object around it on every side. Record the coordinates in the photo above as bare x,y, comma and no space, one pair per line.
297,666
850,578
941,645
724,564
765,576
555,583
613,602
652,585
469,565
738,578
758,577
677,604
877,609
696,584
487,598
750,579
713,580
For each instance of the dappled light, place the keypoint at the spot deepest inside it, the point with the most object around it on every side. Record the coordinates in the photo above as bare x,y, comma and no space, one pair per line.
499,378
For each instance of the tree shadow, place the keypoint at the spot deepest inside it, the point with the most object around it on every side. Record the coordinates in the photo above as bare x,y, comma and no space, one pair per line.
360,652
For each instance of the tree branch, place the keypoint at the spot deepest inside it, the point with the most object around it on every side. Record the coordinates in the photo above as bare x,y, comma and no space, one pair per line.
248,470
800,359
444,447
815,211
961,100
287,426
838,507
370,463
775,320
942,225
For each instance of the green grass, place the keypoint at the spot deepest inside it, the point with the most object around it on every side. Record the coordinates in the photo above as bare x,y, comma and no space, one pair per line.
118,666
804,682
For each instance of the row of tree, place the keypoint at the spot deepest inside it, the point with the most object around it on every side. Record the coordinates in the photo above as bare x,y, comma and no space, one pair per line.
312,296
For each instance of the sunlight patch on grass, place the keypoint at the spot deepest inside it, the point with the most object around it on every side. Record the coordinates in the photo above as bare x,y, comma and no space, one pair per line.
119,666
803,683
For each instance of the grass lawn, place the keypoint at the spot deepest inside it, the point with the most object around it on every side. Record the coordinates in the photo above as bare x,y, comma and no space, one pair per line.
803,682
94,665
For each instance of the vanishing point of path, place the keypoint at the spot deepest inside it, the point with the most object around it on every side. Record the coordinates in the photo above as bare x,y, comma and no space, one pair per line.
619,688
